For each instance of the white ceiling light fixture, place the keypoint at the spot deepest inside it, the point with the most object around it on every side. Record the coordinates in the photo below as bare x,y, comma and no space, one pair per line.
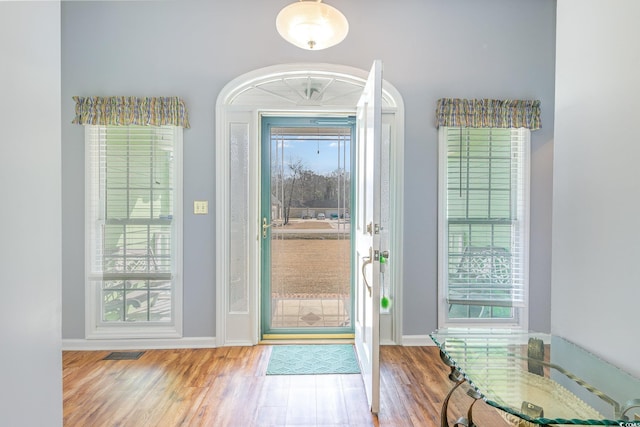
312,25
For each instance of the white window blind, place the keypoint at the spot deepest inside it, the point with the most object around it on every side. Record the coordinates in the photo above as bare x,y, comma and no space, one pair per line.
486,204
133,238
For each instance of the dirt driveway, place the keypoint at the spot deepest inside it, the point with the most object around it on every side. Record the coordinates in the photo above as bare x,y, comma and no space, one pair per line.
314,264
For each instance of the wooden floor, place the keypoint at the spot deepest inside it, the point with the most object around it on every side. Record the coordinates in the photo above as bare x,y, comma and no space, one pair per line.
228,387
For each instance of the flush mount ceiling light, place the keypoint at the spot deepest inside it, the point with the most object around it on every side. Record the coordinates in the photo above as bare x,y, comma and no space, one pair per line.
312,25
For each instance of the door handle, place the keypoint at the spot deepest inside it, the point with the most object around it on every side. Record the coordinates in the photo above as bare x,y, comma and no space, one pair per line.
265,226
367,260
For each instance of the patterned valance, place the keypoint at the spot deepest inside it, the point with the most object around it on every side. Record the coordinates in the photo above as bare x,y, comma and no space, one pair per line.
486,113
130,110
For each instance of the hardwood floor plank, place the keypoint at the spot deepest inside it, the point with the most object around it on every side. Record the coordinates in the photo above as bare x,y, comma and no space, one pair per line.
275,391
268,416
302,403
356,402
228,386
331,407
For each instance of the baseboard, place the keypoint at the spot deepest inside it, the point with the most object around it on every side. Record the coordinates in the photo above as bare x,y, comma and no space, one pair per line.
191,342
139,344
417,340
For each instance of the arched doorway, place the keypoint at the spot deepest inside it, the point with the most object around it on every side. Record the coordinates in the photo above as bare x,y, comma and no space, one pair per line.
318,90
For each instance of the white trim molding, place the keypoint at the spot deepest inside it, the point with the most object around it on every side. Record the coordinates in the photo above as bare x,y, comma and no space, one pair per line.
275,90
194,342
417,341
95,328
138,344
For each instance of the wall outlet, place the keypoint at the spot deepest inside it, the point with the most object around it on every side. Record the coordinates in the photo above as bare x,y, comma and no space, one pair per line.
200,207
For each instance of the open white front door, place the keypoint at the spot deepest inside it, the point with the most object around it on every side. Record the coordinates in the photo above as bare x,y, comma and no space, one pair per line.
367,234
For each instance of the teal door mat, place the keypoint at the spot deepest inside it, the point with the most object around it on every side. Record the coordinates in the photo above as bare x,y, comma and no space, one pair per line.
313,360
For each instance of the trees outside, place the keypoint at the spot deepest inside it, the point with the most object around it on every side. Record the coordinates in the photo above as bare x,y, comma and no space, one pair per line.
301,187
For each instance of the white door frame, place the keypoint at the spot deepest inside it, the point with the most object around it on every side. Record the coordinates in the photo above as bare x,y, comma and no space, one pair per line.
273,90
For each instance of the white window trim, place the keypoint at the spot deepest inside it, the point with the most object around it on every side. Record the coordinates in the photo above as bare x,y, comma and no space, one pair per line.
93,328
522,319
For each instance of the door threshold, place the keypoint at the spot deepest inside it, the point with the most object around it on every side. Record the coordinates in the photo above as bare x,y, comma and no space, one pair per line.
305,342
307,338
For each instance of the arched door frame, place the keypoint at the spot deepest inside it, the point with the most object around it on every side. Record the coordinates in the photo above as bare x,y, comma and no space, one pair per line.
287,89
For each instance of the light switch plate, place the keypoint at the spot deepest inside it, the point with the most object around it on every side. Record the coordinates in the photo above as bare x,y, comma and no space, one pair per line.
200,207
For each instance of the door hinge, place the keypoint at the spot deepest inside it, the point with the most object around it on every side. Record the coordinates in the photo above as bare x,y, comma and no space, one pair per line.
373,228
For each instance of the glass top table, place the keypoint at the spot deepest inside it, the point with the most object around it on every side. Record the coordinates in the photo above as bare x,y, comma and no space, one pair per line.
540,379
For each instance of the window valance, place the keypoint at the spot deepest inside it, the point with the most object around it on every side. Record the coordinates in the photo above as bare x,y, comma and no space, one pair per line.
130,110
485,113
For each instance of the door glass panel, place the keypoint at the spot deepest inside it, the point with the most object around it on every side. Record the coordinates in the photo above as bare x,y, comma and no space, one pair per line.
239,213
310,228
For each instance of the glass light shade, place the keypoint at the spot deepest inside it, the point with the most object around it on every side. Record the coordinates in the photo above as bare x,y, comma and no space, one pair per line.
312,25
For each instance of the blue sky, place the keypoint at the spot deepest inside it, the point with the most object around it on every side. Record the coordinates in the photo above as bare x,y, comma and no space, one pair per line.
319,156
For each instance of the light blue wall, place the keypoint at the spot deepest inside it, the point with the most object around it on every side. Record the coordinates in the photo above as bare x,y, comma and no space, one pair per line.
595,239
30,216
430,49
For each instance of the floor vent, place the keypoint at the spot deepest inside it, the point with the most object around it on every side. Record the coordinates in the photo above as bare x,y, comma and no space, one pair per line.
124,355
